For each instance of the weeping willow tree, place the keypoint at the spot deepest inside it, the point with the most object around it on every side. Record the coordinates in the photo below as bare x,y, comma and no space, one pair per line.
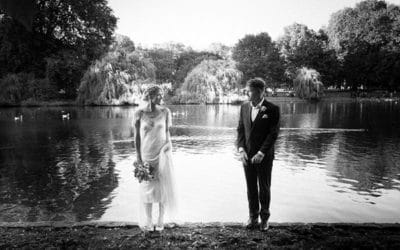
307,84
116,79
212,81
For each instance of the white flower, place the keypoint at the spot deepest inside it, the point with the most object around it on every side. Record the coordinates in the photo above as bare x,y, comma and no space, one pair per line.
263,108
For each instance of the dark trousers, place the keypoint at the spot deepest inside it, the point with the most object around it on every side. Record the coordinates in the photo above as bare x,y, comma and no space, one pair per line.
258,180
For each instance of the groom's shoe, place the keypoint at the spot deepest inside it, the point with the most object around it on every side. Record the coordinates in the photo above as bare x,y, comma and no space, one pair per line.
252,223
264,226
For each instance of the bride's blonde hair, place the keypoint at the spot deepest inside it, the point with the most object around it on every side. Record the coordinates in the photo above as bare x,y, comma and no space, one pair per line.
150,92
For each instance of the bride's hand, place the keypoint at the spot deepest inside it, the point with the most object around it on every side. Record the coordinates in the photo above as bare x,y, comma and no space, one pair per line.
243,157
167,147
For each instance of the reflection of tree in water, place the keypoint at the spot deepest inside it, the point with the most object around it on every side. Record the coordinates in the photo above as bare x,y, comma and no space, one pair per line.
206,115
59,172
371,160
365,161
303,148
323,115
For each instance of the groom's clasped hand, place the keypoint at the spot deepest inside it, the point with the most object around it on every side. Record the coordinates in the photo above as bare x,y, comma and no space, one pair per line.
257,159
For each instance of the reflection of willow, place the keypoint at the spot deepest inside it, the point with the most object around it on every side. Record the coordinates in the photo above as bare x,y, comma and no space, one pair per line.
207,115
304,146
372,161
301,115
58,170
89,176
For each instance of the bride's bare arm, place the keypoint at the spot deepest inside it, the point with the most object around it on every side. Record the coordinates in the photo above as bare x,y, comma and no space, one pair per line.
167,127
137,137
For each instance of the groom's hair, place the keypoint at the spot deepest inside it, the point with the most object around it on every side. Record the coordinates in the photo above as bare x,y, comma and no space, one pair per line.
256,83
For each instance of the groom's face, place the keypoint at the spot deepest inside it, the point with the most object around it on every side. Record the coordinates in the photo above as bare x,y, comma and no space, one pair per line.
254,93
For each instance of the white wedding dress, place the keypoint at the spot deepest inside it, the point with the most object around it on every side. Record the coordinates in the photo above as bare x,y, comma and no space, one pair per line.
156,148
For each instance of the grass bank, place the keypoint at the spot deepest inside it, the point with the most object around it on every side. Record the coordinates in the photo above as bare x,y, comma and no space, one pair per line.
118,235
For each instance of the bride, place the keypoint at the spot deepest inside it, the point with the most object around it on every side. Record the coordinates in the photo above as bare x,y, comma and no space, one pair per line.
153,145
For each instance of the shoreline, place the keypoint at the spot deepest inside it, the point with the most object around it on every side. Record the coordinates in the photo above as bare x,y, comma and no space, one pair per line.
128,224
127,235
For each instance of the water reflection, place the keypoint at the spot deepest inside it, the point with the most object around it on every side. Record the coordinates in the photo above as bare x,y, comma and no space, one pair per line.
79,169
54,170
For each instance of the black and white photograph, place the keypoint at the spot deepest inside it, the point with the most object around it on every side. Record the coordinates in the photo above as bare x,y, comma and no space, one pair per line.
188,124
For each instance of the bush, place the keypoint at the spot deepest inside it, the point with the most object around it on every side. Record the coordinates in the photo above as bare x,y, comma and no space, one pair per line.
20,87
65,70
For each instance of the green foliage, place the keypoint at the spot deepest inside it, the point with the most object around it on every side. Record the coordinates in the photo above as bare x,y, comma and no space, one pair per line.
116,79
257,56
16,88
303,47
24,14
164,61
66,37
65,70
212,81
174,61
307,84
367,40
122,43
187,61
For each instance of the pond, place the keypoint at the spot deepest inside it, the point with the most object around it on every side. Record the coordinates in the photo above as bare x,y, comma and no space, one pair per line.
335,162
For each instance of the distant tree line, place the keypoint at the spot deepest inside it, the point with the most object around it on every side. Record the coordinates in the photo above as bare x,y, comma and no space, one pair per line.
72,40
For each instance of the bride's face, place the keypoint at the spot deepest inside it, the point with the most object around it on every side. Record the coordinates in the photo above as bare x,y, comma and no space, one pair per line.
156,99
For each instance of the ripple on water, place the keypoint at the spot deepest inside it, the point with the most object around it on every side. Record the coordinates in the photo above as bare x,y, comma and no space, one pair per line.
326,166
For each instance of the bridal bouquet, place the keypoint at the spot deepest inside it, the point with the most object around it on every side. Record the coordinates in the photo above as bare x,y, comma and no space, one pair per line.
143,171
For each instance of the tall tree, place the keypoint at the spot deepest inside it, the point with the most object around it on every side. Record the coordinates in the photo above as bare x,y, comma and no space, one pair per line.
165,63
66,34
367,39
303,47
257,56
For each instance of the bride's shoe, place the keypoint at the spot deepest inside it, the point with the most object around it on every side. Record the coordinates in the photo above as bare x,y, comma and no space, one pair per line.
148,227
160,226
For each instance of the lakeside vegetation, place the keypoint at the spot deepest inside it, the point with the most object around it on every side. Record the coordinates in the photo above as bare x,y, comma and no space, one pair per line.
80,59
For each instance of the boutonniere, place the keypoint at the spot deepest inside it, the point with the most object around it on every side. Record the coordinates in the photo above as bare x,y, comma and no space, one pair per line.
263,108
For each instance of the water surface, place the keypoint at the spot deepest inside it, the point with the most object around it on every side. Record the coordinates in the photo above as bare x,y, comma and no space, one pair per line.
335,162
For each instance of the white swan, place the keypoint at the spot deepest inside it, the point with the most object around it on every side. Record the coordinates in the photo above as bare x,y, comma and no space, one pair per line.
18,118
65,116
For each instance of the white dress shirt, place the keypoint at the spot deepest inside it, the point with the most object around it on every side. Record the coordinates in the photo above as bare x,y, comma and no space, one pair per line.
255,109
254,113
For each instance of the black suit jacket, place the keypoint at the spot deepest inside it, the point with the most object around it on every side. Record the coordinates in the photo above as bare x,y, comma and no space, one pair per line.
261,134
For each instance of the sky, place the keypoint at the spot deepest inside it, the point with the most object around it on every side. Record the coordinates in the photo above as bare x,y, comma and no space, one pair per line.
198,23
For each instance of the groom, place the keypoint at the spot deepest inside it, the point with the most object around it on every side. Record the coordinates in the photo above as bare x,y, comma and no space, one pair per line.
257,132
